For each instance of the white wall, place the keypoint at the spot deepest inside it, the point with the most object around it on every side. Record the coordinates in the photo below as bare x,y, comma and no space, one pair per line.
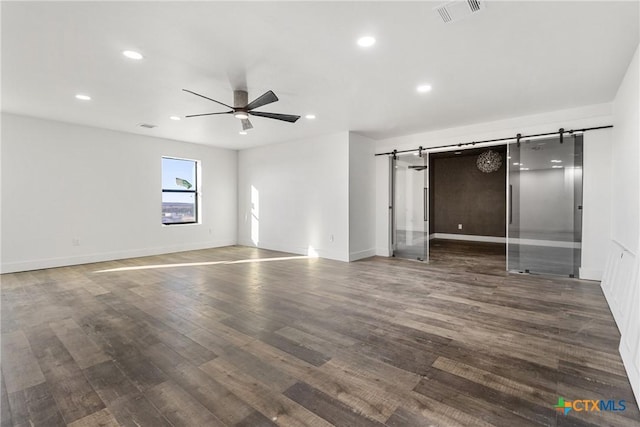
62,182
621,281
382,203
576,118
362,232
596,202
300,192
625,194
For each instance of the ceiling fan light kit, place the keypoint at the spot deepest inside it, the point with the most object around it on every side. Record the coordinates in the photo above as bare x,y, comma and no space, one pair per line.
242,108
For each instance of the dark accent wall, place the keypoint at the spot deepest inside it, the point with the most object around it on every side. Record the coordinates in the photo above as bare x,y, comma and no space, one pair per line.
461,194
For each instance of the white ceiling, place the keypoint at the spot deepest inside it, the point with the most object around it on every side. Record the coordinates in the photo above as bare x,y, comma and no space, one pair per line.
512,59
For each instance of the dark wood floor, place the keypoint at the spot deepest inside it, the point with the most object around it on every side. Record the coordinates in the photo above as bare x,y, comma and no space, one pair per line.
296,341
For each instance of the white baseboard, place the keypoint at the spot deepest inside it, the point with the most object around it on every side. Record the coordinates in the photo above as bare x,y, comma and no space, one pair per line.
354,256
38,264
467,237
516,241
589,274
298,250
383,252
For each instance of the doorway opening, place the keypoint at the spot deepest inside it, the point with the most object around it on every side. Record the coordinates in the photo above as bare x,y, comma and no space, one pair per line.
468,202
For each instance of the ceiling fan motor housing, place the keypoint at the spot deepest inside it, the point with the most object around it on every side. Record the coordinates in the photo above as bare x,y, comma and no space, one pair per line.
240,101
240,98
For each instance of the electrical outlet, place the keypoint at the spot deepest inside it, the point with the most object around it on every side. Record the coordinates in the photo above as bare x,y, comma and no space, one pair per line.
459,226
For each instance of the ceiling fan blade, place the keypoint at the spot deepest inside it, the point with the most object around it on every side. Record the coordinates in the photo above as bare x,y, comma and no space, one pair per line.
264,99
246,124
206,97
209,114
284,117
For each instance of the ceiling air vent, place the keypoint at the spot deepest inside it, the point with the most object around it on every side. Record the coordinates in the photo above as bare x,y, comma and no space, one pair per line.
147,125
458,9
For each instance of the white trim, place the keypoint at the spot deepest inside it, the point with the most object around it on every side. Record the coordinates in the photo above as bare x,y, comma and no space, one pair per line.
298,250
354,256
468,237
548,243
383,252
38,264
623,247
631,367
494,239
588,274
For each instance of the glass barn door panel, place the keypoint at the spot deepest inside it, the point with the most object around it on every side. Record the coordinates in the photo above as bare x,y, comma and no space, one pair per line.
545,206
410,207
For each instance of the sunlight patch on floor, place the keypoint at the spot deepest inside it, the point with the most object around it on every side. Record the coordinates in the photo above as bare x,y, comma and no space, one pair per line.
199,264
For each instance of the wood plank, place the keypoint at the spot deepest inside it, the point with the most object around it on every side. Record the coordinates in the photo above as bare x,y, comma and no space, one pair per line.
19,366
35,406
141,372
109,382
496,382
363,394
255,419
301,352
257,368
274,406
219,400
403,417
496,405
5,410
178,406
136,411
84,351
327,407
101,418
72,392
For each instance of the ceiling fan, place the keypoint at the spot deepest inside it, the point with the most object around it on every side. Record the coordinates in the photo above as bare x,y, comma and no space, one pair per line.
242,109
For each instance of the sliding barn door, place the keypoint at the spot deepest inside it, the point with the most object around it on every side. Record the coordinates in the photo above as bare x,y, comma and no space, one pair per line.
545,206
410,207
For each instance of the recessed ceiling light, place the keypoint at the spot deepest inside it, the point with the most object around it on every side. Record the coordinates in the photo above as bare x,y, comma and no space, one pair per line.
83,97
524,169
557,167
556,161
509,157
243,132
366,41
516,164
310,116
132,54
424,88
458,152
174,118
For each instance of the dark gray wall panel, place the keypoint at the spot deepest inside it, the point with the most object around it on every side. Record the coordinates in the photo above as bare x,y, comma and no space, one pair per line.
462,194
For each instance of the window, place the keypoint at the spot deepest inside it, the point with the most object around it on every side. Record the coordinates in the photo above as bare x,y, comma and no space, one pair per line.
179,191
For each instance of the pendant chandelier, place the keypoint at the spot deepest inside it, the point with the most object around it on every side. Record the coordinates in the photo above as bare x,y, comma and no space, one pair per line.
489,161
